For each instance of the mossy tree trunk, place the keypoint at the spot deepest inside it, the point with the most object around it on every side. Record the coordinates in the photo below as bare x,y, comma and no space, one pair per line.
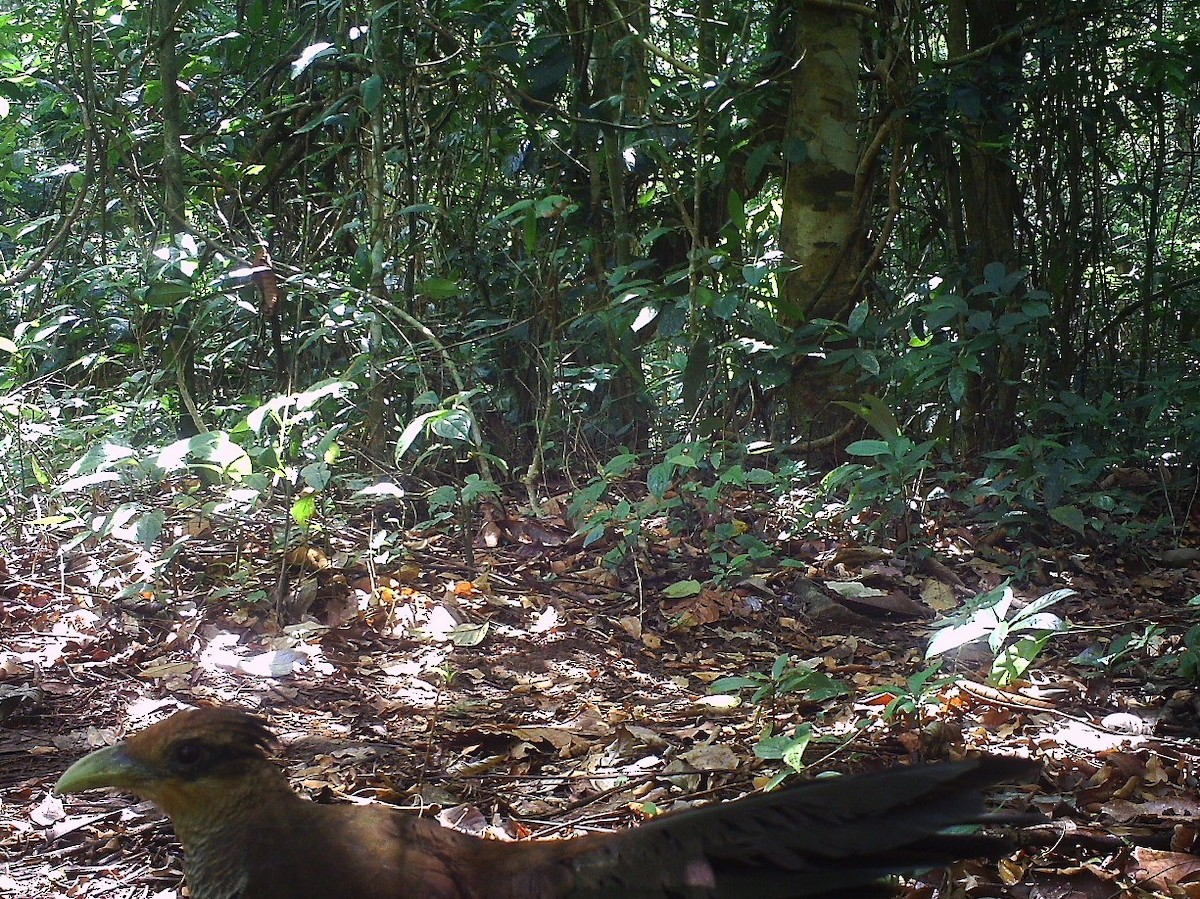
819,226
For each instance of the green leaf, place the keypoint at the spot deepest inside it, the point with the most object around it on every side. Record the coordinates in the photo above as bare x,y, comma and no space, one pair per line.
737,210
438,288
149,527
733,684
682,588
780,666
331,387
316,475
795,150
646,316
956,383
818,687
876,413
681,458
585,500
1070,516
787,747
858,317
999,635
521,207
793,756
869,448
1043,602
658,479
452,424
304,509
758,159
476,488
443,497
754,273
593,535
697,376
372,93
867,361
620,465
1015,660
552,206
166,294
412,431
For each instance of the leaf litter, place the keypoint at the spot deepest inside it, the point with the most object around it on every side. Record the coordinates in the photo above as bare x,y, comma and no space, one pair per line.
539,692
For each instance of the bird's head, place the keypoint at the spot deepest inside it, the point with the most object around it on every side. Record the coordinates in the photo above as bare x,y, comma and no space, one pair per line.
182,763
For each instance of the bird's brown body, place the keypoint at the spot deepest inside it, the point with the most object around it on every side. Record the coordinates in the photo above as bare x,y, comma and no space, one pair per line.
246,835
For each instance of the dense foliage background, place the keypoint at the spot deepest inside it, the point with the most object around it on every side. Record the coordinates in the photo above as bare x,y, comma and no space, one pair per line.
929,250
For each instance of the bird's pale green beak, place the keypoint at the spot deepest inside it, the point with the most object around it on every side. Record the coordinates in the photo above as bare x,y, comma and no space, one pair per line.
109,767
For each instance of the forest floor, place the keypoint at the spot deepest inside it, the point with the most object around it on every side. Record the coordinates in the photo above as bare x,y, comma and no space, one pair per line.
525,683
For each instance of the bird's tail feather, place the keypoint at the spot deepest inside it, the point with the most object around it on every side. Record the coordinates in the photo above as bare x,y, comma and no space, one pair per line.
820,839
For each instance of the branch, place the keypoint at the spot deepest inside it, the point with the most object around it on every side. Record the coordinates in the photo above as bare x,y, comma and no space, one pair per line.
845,6
653,50
1013,34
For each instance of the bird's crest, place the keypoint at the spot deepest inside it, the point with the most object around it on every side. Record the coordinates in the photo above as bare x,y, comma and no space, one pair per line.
236,734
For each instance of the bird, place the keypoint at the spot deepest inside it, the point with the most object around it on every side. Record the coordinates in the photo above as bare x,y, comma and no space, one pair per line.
247,835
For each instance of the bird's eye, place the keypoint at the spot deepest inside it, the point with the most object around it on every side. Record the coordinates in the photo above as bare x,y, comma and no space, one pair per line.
188,754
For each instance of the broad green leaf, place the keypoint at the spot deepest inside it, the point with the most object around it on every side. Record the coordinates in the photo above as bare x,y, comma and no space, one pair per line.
754,273
438,288
552,206
149,527
682,588
372,93
620,465
869,448
733,684
858,317
876,413
737,210
793,755
316,475
1070,516
1044,602
658,479
867,361
216,449
166,294
452,424
956,384
780,666
414,430
949,638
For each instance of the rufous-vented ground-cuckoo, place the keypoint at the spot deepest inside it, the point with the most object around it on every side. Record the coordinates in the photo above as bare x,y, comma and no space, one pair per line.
246,835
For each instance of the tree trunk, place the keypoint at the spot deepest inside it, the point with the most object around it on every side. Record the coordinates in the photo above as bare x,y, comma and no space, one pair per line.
989,195
819,231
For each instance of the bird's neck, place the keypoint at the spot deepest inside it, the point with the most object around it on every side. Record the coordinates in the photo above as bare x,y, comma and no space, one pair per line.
217,833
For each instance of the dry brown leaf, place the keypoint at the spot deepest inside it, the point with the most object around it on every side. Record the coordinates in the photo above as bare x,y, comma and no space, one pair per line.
938,596
1162,870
